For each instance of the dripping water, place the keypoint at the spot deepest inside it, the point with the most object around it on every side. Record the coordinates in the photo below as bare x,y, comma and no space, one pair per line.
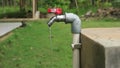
50,38
50,34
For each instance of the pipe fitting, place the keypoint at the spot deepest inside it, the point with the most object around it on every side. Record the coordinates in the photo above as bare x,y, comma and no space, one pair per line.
75,22
76,46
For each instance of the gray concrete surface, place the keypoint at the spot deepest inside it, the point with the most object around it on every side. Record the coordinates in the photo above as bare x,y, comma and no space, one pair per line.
101,48
7,27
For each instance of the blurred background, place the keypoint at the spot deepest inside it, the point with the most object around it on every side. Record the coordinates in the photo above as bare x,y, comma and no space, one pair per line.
23,8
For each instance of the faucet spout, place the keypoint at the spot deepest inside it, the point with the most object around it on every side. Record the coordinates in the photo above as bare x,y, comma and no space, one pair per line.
56,18
51,21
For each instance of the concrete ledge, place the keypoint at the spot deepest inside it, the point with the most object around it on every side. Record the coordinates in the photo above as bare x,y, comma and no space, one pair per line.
101,48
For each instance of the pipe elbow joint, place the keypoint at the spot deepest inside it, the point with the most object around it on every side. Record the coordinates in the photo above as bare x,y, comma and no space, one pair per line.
75,22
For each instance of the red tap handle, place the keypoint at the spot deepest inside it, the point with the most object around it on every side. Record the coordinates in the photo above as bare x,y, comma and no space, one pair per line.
57,11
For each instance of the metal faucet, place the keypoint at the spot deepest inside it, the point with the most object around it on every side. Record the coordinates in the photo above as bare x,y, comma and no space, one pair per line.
56,18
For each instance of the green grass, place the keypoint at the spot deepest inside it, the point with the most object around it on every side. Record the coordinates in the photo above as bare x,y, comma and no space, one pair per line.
30,47
103,22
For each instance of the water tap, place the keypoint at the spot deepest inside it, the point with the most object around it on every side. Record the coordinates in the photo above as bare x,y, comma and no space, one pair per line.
68,18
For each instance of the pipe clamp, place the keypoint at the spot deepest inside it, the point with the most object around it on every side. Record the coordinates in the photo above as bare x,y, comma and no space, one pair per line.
76,46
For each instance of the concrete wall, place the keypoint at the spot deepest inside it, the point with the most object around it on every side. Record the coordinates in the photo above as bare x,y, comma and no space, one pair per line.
101,48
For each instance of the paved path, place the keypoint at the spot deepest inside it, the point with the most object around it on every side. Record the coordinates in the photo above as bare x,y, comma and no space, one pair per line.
7,27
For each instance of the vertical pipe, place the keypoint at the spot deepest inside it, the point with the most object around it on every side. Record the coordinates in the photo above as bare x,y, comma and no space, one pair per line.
76,51
76,30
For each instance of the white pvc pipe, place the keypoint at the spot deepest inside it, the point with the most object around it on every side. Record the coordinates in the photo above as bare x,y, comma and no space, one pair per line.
76,38
76,51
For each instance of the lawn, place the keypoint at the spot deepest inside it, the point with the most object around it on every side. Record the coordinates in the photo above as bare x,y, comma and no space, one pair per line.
30,46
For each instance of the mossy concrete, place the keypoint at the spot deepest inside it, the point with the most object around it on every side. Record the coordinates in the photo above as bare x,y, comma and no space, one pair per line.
101,48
